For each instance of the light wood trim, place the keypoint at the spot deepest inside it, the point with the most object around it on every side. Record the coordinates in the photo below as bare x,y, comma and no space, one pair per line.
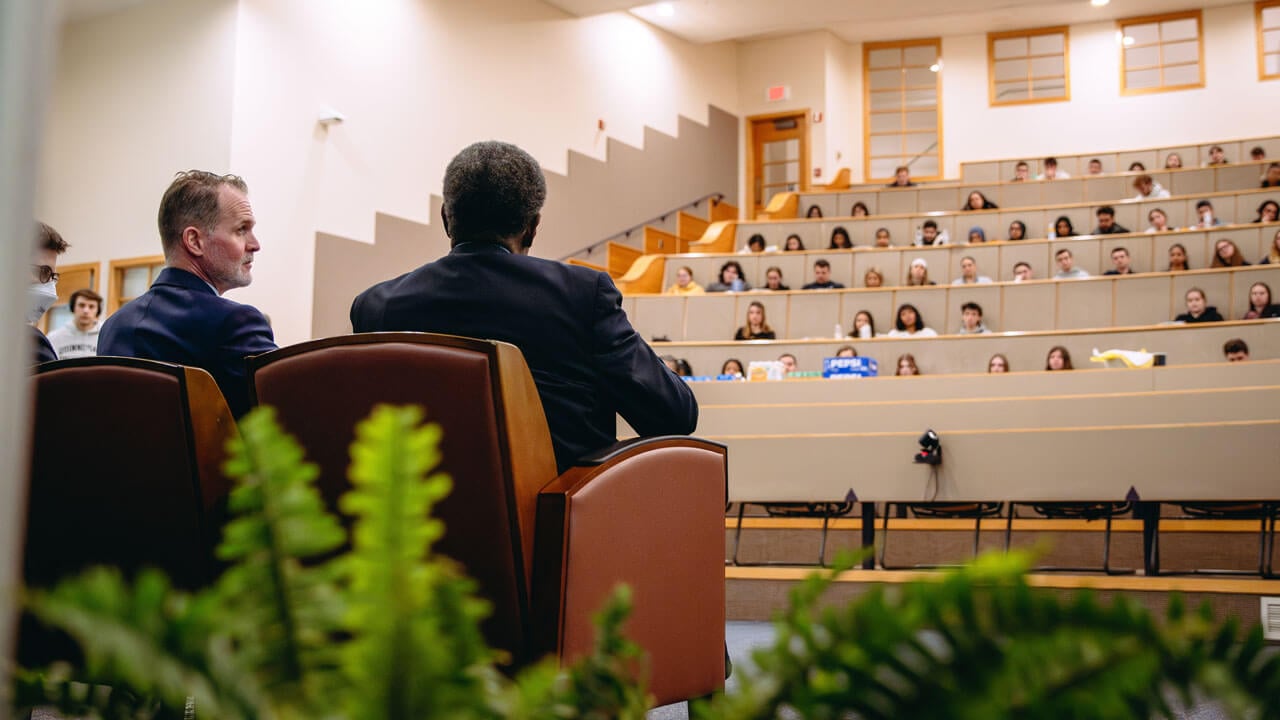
533,462
1258,7
1063,30
1009,431
721,210
660,241
585,264
1119,525
1138,583
689,228
867,49
645,275
718,238
1160,150
783,206
115,278
841,181
802,125
620,257
1161,18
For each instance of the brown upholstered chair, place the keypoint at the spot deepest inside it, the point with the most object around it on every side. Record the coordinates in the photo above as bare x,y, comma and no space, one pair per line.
143,490
545,550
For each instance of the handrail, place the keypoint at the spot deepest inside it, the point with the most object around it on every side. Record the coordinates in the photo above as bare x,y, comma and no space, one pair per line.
717,196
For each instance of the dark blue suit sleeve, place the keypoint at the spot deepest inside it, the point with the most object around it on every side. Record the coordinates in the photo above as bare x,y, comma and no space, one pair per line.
245,332
646,393
43,348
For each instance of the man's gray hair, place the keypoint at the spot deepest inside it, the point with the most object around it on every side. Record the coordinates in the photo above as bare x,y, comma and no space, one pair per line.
192,201
492,192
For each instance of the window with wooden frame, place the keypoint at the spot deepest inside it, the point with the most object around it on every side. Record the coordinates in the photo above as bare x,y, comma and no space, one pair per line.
80,276
1268,12
131,278
1028,66
1161,53
902,109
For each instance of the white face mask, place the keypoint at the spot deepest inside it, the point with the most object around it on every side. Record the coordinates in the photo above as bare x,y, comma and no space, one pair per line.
39,298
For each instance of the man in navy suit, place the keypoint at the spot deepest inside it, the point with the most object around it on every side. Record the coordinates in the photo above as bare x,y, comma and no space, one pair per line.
587,361
206,229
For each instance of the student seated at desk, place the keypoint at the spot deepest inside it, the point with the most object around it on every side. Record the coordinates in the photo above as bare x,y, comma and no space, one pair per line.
998,364
1268,212
918,273
1017,230
730,279
822,277
793,243
1159,221
1198,309
1178,258
1226,254
773,279
756,328
1260,303
1273,253
910,324
907,365
840,239
1059,358
864,326
684,284
873,277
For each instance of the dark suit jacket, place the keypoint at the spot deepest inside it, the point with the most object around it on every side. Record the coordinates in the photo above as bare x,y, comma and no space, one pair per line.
587,361
182,320
44,351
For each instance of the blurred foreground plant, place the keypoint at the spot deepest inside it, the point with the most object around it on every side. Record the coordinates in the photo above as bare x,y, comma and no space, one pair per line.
383,631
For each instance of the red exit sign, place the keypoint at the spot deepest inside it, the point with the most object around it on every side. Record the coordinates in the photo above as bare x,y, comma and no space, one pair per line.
777,93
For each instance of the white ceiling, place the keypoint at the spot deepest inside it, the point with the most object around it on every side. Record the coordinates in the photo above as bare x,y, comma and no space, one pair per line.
705,21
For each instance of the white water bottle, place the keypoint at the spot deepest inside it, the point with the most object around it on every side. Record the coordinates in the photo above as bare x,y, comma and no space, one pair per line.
839,331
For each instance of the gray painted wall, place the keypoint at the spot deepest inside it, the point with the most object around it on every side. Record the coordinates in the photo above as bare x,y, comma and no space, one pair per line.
595,200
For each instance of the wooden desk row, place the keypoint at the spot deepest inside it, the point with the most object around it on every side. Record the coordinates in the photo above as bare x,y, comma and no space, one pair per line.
1183,344
1042,305
1148,252
1153,158
946,197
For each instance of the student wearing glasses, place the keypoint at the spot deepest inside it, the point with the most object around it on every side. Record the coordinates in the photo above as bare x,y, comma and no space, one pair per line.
43,291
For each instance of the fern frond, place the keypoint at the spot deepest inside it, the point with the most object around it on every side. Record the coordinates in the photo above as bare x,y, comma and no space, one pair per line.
147,641
281,613
416,649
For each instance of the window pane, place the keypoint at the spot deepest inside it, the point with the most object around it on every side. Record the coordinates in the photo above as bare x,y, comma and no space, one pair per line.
1178,30
1182,75
1181,52
884,167
136,281
921,77
785,150
1011,47
886,100
886,79
1053,44
920,55
1141,79
1147,34
886,122
921,99
1009,92
886,145
1048,67
887,57
1142,57
927,120
1271,16
1049,88
781,174
1272,64
1011,70
1271,41
925,166
921,142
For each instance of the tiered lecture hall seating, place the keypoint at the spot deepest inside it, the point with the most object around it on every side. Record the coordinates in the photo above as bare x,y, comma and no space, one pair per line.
1198,429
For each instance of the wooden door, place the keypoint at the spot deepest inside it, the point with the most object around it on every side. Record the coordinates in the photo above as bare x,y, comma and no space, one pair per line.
777,157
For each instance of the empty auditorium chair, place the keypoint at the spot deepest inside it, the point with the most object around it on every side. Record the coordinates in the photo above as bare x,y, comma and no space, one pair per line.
144,489
546,550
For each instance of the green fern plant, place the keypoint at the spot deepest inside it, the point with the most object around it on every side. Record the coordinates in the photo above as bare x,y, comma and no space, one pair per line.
980,644
385,631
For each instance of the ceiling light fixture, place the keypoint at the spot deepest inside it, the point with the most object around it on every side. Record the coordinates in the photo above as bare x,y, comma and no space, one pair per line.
664,9
935,67
1099,3
1128,40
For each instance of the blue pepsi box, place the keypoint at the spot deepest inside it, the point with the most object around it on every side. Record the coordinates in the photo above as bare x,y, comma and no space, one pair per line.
849,367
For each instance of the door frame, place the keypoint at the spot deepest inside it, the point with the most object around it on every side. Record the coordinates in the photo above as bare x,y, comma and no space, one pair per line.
803,126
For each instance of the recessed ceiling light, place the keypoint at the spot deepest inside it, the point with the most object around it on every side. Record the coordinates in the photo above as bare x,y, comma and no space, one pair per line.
664,9
935,67
1099,3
